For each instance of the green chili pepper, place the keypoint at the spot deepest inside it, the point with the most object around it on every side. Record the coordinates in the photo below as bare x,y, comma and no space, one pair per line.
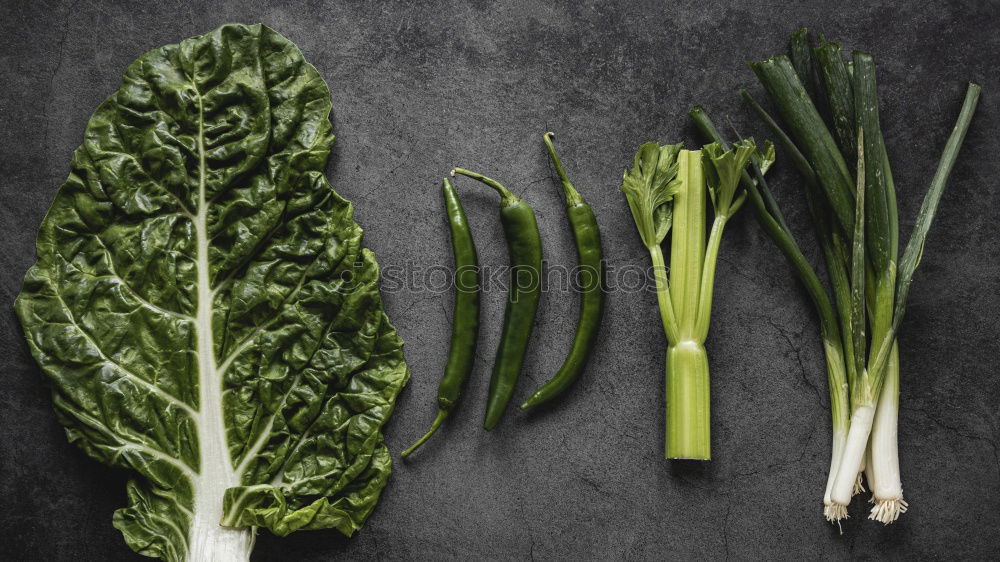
591,280
525,247
465,325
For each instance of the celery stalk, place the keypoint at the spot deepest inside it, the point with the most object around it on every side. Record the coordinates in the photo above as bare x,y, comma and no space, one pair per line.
688,410
688,416
687,241
667,190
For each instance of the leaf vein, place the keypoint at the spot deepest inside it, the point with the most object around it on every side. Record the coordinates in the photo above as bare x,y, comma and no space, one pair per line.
129,374
131,290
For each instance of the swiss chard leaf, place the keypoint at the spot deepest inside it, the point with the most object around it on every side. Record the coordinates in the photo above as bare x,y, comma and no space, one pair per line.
203,309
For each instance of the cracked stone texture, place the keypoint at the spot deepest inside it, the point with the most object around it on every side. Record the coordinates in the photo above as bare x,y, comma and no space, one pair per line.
419,87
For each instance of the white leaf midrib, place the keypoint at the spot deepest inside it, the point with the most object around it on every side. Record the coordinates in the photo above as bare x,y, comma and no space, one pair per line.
208,540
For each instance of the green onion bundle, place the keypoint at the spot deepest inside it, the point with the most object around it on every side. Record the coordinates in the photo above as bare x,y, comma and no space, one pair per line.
830,131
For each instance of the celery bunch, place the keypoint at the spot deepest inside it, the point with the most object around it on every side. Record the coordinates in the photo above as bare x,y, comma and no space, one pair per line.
668,189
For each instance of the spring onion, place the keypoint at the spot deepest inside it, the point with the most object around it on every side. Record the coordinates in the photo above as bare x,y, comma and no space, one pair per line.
829,107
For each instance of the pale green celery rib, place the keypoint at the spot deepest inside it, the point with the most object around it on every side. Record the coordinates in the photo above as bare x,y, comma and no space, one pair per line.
687,394
687,240
688,402
708,278
667,316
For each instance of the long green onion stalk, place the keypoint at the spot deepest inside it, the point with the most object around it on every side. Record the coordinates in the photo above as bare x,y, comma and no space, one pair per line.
832,135
667,191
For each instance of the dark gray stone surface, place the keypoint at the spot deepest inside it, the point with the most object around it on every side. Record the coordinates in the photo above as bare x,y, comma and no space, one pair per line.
420,87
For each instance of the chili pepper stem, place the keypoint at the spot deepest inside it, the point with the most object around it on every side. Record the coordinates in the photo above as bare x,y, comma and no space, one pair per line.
572,195
507,198
441,415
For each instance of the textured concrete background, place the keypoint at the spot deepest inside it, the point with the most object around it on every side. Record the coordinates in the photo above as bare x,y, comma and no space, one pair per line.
422,86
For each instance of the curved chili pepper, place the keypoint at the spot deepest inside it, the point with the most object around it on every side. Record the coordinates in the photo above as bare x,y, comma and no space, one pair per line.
525,247
591,278
465,325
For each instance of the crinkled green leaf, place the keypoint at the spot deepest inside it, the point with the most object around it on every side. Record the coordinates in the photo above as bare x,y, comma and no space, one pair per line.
765,158
723,171
648,186
203,309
